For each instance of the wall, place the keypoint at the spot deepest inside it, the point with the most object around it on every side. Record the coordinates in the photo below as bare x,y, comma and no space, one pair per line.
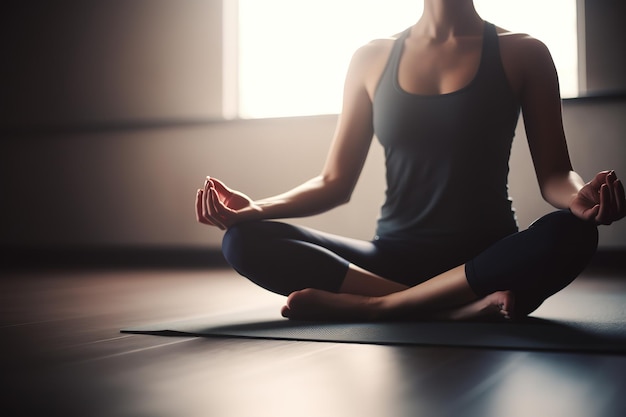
605,36
73,63
105,149
136,187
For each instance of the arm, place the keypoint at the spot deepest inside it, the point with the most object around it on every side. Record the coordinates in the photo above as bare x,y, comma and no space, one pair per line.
541,107
219,206
345,159
600,200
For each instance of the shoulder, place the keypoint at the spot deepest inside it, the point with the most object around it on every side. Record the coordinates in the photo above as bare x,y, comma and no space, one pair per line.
369,61
375,49
525,59
523,46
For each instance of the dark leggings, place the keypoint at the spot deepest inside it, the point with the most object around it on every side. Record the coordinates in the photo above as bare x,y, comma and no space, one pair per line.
534,263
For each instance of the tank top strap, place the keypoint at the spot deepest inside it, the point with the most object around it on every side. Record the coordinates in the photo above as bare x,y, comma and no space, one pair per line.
491,63
399,43
396,52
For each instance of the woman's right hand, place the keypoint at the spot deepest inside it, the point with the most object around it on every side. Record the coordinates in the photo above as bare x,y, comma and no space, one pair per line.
217,205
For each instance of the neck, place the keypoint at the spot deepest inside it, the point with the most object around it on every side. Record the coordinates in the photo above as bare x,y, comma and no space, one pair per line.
443,19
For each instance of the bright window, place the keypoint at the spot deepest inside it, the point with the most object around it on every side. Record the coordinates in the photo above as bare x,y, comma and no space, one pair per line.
289,58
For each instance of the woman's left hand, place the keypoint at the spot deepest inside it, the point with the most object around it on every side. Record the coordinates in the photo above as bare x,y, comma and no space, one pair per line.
601,200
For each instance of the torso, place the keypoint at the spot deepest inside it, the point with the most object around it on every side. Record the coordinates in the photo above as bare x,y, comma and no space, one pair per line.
445,115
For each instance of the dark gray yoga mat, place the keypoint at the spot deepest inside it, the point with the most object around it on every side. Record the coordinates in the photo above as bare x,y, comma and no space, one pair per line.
601,330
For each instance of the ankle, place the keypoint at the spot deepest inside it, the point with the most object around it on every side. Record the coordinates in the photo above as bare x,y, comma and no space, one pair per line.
380,308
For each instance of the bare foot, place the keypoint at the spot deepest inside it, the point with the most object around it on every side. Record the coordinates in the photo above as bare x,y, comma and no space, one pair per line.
499,305
313,304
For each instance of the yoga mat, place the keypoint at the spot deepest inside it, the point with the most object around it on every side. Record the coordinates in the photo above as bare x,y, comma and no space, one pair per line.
603,331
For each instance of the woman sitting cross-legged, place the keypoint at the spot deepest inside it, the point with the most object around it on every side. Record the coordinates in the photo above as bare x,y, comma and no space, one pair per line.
443,97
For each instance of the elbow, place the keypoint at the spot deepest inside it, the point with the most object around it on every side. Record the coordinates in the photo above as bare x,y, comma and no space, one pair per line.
339,191
545,192
341,198
345,200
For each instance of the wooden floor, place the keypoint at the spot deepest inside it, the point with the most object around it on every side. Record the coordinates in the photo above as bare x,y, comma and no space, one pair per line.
63,355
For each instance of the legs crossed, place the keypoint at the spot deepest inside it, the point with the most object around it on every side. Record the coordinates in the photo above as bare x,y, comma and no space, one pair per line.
524,268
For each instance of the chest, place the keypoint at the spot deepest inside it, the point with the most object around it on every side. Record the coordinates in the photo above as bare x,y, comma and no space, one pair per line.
456,96
441,69
432,68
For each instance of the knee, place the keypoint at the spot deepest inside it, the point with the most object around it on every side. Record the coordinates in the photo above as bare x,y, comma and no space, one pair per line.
569,234
571,244
238,243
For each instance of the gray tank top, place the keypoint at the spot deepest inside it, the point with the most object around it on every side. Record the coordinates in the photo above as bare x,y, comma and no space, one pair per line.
447,156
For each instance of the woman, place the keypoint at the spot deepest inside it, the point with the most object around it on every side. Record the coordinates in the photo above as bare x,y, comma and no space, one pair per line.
443,97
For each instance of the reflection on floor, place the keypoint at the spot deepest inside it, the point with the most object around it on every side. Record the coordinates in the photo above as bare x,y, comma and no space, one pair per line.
63,355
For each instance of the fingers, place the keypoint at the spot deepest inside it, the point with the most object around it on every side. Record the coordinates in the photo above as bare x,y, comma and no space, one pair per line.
200,208
616,197
620,198
600,179
612,200
211,205
591,214
603,215
216,206
216,210
609,182
219,186
207,205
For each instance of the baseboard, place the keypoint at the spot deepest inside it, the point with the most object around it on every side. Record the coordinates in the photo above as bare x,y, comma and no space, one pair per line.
104,257
174,257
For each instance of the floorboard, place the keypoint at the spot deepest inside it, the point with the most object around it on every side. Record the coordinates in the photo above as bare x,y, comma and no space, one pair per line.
62,355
